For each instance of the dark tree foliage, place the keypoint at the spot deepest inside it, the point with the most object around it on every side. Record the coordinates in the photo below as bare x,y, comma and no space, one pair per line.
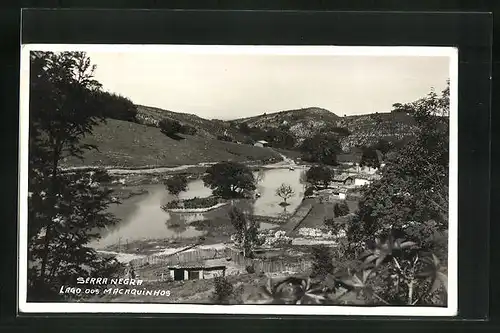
339,131
223,290
230,180
383,146
117,107
280,138
176,184
321,148
245,129
340,209
246,230
322,261
64,209
369,158
170,128
413,189
225,137
319,175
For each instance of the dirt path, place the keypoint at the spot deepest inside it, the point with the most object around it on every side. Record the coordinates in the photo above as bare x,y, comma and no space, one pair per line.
300,214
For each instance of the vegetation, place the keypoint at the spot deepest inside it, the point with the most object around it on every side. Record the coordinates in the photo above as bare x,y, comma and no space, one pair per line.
117,107
64,210
224,137
229,180
223,290
321,148
247,229
193,203
393,242
285,192
176,184
369,158
319,175
341,209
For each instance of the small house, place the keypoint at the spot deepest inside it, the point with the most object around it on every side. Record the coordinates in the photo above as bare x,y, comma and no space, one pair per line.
192,272
360,181
261,143
343,179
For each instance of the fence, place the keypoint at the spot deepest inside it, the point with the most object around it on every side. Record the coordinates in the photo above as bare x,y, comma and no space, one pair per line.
270,219
270,265
190,256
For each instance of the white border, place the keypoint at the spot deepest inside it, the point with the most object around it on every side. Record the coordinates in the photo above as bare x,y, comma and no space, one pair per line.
450,310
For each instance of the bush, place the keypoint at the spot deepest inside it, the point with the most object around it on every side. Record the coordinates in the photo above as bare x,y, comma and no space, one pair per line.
169,127
117,107
223,290
176,184
341,209
193,203
309,191
250,269
322,264
226,138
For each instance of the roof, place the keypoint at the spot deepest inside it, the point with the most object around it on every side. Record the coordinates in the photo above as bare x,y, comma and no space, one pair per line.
197,267
342,177
262,141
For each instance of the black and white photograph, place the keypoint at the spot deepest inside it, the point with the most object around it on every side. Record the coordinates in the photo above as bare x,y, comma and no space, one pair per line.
297,180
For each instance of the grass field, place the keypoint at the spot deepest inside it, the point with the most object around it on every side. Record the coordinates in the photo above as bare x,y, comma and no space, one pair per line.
127,144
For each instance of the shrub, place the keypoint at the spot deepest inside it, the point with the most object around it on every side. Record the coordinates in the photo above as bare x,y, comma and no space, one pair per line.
223,290
226,138
322,262
341,209
250,269
193,203
309,191
169,126
176,184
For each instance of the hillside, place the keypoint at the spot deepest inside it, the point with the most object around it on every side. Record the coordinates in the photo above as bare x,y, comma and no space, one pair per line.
206,128
368,129
365,129
302,123
128,144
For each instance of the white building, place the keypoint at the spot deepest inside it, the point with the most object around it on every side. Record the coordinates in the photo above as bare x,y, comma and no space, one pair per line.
261,143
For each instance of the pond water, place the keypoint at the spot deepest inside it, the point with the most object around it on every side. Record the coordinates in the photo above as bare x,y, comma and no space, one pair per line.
142,217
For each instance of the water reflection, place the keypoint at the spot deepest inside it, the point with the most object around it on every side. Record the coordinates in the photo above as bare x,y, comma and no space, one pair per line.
142,217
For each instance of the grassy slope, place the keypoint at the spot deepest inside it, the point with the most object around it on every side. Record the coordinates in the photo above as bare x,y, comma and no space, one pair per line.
129,144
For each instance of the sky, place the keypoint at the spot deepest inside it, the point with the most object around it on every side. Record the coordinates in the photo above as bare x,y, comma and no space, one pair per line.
230,86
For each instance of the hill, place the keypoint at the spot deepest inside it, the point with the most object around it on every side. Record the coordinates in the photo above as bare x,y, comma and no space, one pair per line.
368,129
206,128
128,144
302,123
364,129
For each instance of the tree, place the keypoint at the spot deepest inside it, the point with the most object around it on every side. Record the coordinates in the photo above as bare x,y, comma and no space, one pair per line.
341,209
246,231
223,290
414,183
369,158
319,175
280,138
383,146
321,148
176,184
229,179
285,192
117,107
322,261
170,128
64,209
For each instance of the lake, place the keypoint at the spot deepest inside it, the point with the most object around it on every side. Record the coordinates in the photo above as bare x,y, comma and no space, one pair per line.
143,219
